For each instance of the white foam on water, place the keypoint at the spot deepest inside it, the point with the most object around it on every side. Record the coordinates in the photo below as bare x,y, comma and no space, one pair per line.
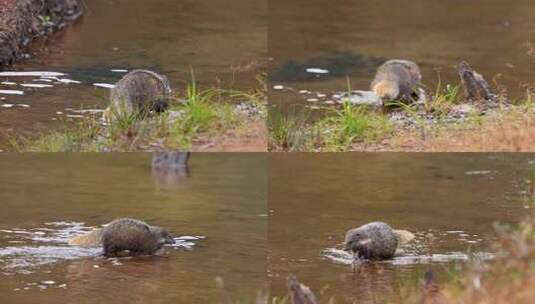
119,71
42,79
9,83
31,74
278,87
51,78
69,81
7,105
185,242
36,85
343,257
74,116
104,85
41,246
316,71
90,111
479,172
11,92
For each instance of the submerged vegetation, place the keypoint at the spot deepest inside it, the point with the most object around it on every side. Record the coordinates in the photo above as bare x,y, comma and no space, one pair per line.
192,121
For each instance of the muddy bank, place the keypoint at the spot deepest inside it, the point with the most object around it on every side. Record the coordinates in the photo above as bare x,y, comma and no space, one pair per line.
22,21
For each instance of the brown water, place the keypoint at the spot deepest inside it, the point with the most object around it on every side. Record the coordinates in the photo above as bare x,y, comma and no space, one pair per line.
214,38
315,198
48,197
352,37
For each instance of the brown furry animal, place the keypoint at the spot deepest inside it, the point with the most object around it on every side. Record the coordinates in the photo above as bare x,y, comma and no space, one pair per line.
373,241
121,236
133,237
475,86
397,80
139,92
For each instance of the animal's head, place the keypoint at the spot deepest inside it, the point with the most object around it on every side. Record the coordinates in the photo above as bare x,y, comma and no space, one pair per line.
386,90
358,242
162,236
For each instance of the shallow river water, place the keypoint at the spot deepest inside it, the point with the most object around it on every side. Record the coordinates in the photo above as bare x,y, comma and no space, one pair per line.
449,201
221,42
353,37
48,198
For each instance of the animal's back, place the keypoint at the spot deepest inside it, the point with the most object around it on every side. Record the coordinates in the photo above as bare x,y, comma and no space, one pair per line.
128,234
141,90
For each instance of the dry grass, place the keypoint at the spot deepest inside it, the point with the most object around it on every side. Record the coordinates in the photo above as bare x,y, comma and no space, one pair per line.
511,131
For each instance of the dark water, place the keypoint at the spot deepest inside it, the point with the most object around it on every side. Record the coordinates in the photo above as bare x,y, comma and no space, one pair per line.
218,40
48,197
450,201
352,37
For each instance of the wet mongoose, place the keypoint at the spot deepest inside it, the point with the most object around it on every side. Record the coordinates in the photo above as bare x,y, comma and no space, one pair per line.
397,80
133,236
139,92
373,241
125,237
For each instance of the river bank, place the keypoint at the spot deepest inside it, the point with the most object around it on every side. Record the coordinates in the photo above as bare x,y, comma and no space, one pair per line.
21,22
210,119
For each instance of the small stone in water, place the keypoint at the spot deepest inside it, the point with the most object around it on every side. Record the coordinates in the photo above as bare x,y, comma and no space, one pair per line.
48,282
278,87
304,92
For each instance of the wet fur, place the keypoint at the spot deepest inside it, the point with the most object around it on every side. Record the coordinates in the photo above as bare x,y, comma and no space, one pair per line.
373,241
139,92
397,80
133,237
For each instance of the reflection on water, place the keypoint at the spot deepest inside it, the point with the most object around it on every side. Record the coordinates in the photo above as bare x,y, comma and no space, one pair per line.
490,34
217,39
449,201
50,197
